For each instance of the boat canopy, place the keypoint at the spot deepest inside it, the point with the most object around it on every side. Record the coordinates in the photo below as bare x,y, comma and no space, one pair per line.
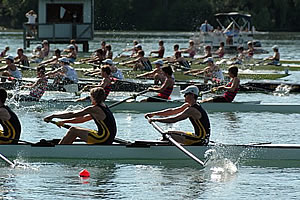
234,20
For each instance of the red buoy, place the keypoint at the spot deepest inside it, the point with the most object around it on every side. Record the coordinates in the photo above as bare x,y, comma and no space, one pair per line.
84,173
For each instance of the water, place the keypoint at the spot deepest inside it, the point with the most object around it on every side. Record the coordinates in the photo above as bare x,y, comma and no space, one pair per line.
226,179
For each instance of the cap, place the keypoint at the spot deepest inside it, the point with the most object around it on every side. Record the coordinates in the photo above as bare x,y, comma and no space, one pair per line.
249,42
191,89
275,47
45,42
138,45
159,62
10,58
38,46
64,59
71,47
209,59
108,61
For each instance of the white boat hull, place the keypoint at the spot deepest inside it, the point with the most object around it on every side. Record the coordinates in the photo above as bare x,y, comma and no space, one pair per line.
277,152
143,107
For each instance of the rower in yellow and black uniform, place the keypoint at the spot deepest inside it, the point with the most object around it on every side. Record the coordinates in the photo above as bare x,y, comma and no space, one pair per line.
101,115
192,110
9,122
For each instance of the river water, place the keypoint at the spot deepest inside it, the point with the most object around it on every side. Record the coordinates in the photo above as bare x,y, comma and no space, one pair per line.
231,179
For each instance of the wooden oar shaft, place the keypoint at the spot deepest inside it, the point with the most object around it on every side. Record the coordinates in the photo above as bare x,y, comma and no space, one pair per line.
7,161
177,144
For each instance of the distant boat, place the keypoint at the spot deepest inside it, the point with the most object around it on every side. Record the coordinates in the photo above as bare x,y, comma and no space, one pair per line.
234,29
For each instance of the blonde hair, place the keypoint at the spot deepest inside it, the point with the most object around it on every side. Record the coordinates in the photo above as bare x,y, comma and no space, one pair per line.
98,94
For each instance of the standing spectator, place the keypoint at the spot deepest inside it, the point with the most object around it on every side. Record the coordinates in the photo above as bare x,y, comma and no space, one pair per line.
31,15
206,27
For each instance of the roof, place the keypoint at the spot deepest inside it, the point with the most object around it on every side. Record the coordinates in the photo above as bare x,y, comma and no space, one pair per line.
233,14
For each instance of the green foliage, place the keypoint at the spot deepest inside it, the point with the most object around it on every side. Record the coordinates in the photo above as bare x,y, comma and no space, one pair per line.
184,15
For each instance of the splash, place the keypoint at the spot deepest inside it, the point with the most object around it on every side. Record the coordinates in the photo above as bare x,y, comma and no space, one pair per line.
282,90
220,167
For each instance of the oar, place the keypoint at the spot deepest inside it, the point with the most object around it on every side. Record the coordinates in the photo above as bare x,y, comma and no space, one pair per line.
7,161
131,97
181,148
66,126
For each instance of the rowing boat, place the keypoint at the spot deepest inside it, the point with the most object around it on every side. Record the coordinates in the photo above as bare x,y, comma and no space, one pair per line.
151,150
143,107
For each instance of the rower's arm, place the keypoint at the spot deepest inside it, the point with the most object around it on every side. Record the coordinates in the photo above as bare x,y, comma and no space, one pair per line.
70,115
78,120
168,112
182,116
234,86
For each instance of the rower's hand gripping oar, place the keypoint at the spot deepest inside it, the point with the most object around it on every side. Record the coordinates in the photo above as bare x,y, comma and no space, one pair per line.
181,148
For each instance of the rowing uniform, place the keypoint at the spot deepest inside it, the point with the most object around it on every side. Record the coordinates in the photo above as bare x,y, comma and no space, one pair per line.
228,96
107,129
147,65
201,128
185,64
11,128
107,90
40,89
162,96
71,74
16,74
218,75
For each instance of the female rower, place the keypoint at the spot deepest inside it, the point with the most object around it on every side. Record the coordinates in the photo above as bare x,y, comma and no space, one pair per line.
221,50
10,69
106,82
211,72
38,88
101,115
191,50
157,73
65,73
161,50
9,122
21,58
141,62
192,110
275,58
165,90
231,88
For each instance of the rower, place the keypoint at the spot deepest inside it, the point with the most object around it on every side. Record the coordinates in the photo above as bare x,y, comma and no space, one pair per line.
182,62
10,69
9,122
250,51
275,58
211,72
141,62
161,50
192,110
65,73
165,90
38,88
21,58
101,115
231,88
221,50
207,50
106,83
53,62
191,50
157,74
